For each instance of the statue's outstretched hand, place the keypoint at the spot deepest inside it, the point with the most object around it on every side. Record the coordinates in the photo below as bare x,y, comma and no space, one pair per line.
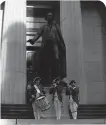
30,41
63,46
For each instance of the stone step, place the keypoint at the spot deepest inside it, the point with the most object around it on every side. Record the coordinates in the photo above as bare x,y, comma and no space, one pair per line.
22,111
50,121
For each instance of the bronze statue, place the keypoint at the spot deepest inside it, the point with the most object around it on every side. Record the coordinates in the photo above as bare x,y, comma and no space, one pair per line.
51,58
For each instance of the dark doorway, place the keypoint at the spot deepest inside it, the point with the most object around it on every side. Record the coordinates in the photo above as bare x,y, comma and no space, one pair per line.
35,18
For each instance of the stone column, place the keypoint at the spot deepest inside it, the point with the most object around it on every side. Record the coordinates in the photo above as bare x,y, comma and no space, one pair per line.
71,25
13,84
1,15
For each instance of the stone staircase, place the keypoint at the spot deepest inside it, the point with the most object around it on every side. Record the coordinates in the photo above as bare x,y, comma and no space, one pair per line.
24,111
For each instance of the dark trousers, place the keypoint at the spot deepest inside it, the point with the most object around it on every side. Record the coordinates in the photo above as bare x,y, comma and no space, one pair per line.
48,60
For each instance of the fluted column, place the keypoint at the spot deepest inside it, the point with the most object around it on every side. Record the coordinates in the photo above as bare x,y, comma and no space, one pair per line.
13,85
71,24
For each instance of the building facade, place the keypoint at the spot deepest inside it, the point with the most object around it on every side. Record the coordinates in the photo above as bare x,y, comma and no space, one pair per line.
83,26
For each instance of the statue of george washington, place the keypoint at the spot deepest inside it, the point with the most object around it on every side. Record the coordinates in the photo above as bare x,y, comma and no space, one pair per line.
51,58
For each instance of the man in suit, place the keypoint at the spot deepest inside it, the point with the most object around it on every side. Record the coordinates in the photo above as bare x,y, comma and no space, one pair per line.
51,57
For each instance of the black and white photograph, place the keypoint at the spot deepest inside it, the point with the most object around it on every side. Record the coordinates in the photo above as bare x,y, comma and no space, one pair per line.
53,62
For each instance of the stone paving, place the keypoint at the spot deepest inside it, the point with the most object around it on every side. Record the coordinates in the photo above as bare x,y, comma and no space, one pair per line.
50,121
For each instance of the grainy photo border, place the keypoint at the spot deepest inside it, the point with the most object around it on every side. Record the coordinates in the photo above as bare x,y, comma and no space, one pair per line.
70,74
